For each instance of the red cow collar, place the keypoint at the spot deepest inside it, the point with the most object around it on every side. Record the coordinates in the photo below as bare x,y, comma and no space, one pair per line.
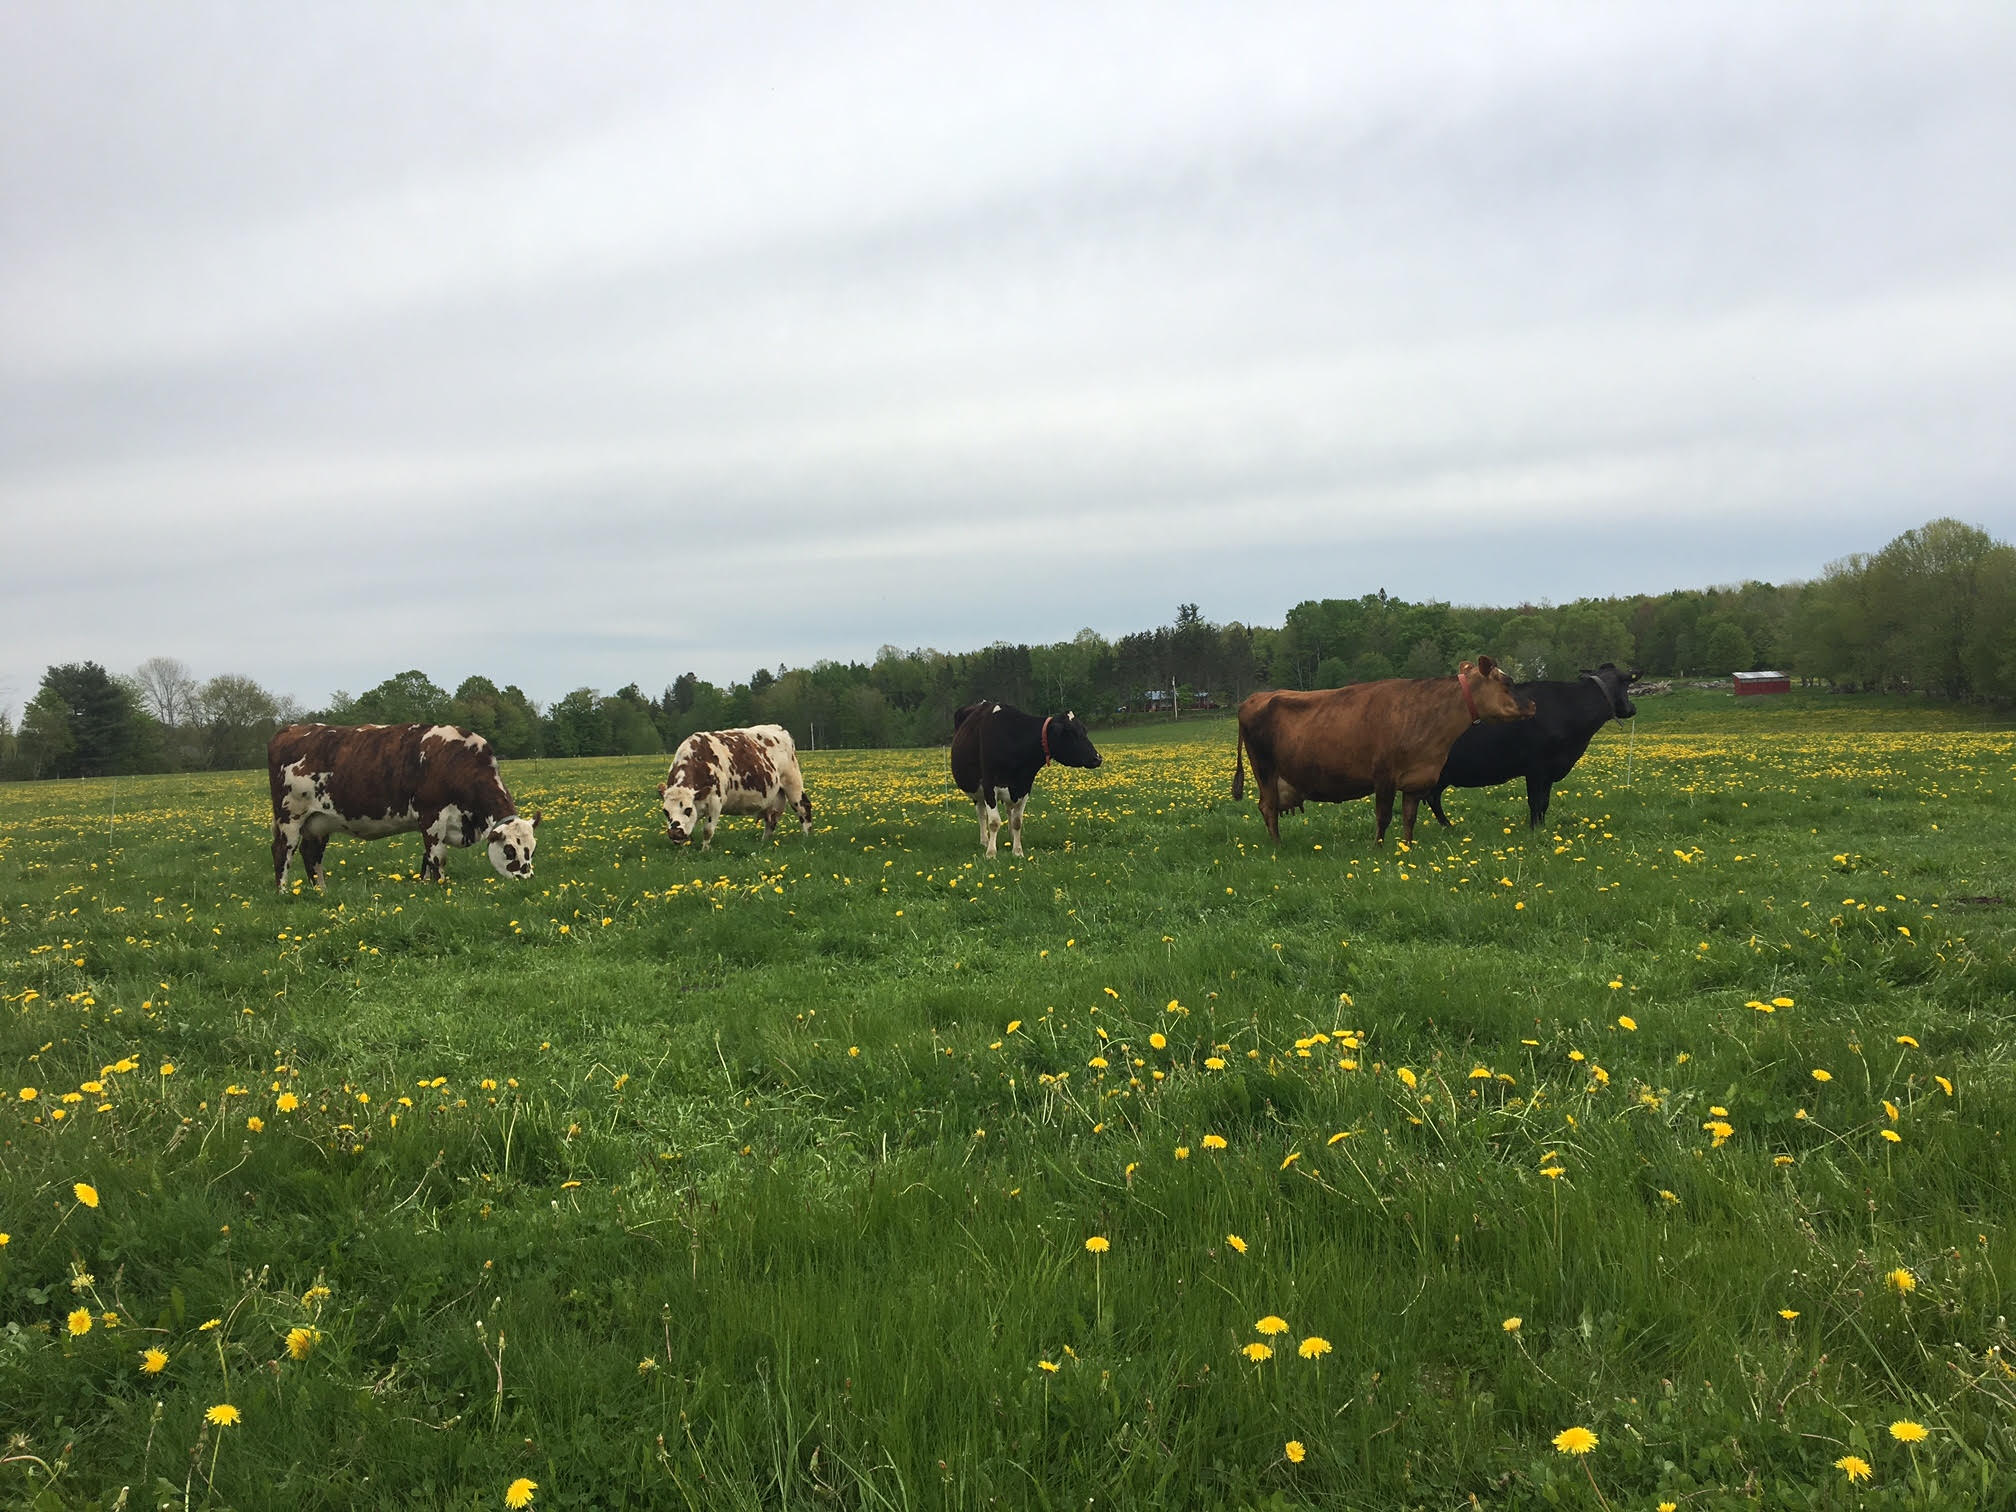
1044,736
1471,703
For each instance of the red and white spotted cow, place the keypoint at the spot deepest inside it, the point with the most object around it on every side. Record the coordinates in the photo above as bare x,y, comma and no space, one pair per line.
376,780
716,772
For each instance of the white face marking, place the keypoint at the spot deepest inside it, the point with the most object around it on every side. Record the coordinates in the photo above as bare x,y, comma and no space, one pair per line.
679,810
511,842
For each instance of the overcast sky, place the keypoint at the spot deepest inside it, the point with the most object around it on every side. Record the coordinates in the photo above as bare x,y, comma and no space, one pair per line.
586,344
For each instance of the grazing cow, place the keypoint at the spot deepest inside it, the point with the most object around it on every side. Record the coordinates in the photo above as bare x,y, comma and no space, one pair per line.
1543,748
1376,737
376,780
716,772
997,752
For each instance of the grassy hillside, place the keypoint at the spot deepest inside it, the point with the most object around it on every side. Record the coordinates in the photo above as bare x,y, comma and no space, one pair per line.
770,1177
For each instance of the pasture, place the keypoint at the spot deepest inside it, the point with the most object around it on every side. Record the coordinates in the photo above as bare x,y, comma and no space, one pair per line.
1161,1168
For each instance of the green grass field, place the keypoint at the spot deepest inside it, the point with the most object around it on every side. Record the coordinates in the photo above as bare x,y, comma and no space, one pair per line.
766,1177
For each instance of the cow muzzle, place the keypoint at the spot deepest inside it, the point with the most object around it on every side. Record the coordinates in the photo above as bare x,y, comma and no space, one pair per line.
675,834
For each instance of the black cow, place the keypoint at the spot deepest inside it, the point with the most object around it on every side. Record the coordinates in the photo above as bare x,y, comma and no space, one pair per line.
997,752
1540,749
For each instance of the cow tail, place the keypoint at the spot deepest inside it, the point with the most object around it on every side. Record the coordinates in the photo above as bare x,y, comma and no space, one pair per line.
1239,766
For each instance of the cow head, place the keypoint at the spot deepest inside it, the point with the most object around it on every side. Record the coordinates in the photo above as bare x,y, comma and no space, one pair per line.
681,805
511,841
1070,745
1491,691
1616,687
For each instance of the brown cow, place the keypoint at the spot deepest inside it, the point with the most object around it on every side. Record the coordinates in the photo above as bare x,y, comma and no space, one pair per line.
1338,744
374,780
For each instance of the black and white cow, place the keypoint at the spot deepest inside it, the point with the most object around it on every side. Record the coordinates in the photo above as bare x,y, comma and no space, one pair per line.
716,772
997,752
1541,749
376,780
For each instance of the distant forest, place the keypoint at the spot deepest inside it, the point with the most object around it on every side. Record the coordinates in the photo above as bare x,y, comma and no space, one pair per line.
1934,613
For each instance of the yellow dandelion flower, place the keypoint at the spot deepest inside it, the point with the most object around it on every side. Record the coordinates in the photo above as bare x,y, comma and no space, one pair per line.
1295,1452
86,1193
1854,1467
1293,1156
1236,1242
1513,1325
1893,1136
256,1124
1050,1365
646,1366
1214,1062
1257,1352
287,1102
1313,1348
1902,1280
1575,1441
223,1415
1944,1085
1625,1021
1781,1002
29,1094
1097,1063
1553,1172
1097,1245
1907,1432
1158,1041
300,1341
153,1361
1407,1078
1788,1313
80,1322
1271,1325
519,1492
1822,1076
1214,1141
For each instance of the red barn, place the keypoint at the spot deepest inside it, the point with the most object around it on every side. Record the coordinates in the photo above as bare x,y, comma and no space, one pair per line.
1748,683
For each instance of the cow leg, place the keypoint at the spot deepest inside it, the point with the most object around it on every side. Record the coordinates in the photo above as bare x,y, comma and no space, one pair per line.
431,858
804,807
1435,806
286,838
1410,805
1382,810
770,823
990,822
1015,824
312,846
1538,791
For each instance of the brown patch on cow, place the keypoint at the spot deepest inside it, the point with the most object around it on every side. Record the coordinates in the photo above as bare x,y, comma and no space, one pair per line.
749,764
691,768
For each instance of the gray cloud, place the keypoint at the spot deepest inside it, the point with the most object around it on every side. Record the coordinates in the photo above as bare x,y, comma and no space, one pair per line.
339,342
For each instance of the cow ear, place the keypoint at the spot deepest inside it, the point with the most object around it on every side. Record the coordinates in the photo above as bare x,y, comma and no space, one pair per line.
536,817
661,790
1486,665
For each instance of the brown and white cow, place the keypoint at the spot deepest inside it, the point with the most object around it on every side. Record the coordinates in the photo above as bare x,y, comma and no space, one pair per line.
376,780
716,772
1380,738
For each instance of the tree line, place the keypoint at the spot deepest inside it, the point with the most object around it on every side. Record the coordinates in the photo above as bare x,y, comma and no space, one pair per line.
1933,612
